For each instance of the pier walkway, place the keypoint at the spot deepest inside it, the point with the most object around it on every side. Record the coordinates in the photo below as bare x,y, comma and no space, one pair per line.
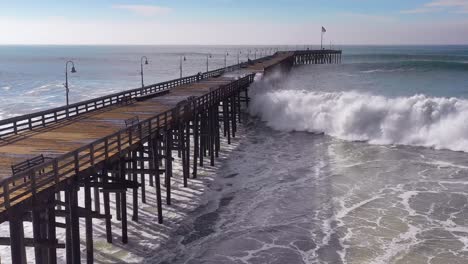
113,144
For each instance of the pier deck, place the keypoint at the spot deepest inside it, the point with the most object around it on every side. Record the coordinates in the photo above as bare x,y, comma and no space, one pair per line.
68,135
90,146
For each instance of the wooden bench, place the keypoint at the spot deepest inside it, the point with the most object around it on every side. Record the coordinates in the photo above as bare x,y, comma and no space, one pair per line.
125,100
217,75
27,164
150,95
132,121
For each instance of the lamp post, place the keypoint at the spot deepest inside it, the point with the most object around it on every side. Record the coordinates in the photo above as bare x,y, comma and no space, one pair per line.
182,57
208,57
255,54
67,90
225,58
238,56
141,72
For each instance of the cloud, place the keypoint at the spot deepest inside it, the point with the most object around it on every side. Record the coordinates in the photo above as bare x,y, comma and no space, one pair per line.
455,6
145,10
421,10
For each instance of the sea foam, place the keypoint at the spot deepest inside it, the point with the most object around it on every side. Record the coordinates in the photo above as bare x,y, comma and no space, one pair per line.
419,120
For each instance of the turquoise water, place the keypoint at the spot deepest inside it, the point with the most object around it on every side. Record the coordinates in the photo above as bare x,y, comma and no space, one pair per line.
440,71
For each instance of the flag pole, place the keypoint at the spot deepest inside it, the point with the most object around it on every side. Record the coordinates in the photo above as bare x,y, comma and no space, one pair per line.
321,39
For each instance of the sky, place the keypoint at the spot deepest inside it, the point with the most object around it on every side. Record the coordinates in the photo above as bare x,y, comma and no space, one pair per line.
233,22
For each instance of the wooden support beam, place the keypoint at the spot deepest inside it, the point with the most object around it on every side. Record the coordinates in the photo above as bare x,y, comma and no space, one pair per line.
138,164
75,225
196,140
154,144
124,184
107,211
187,148
96,194
123,204
232,102
37,235
183,151
51,232
82,213
29,242
134,174
212,137
118,195
168,175
68,238
88,225
202,137
17,241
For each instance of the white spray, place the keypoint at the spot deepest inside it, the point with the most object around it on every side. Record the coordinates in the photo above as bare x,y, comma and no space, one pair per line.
418,120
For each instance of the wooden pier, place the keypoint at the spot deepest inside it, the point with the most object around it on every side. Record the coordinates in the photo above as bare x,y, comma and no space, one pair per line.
114,145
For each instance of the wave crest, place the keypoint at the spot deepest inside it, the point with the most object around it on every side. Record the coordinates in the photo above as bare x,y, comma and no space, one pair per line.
418,120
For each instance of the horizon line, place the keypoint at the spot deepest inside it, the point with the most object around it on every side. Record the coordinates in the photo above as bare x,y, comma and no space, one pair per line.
205,45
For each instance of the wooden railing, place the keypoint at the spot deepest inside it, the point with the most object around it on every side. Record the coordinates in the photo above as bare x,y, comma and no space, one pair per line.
14,125
27,184
324,51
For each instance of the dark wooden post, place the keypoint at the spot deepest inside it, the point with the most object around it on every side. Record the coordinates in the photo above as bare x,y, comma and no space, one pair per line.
139,164
123,201
238,102
88,224
196,141
134,174
183,150
37,236
217,128
68,227
154,167
97,200
211,120
118,195
233,115
18,249
51,231
107,211
168,174
227,118
202,137
75,224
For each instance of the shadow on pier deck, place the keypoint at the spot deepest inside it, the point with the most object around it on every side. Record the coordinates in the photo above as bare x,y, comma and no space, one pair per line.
114,144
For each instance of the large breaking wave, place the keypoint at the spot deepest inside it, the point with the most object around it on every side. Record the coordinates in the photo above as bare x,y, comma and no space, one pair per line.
419,120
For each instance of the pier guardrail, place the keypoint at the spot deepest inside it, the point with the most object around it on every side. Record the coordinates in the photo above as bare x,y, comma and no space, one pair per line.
14,125
27,184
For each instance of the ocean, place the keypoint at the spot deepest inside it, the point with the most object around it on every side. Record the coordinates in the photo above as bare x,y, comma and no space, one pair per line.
363,162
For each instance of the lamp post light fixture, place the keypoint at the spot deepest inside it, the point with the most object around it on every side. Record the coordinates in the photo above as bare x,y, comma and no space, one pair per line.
67,90
141,72
182,58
